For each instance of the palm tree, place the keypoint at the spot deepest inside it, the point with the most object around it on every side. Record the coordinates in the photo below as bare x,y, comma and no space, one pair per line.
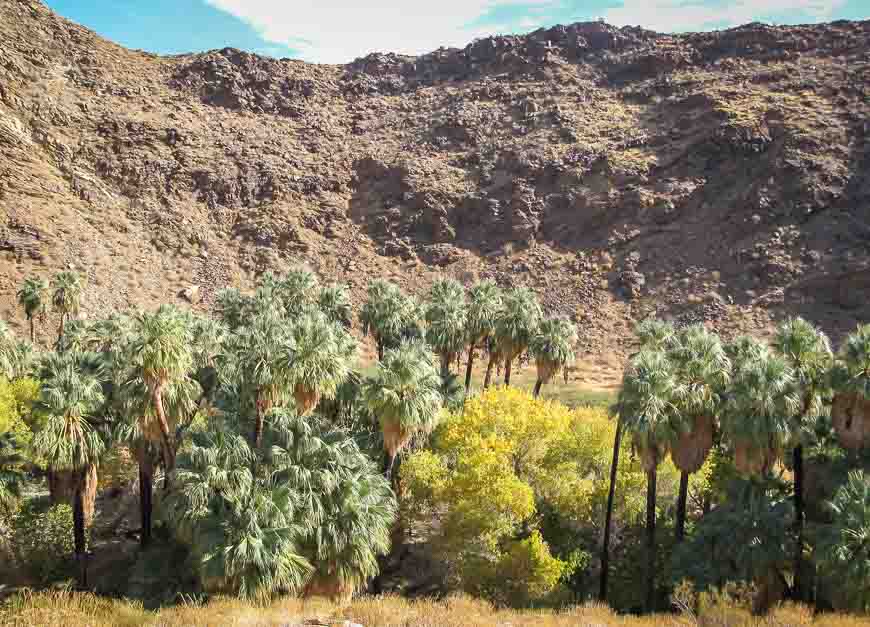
652,334
553,349
70,396
33,299
16,357
808,352
259,355
67,288
763,399
404,395
298,289
162,357
11,471
484,305
320,360
446,315
648,409
516,325
388,315
843,550
334,301
702,370
850,378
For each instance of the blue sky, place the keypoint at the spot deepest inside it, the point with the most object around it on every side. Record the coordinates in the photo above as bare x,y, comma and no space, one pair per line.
337,31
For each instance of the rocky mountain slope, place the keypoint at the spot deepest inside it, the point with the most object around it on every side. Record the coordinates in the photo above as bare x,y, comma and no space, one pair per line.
717,176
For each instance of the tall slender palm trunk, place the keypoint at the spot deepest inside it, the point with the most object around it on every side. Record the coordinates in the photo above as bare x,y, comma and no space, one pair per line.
446,358
468,369
32,331
608,517
682,497
538,385
168,448
146,492
507,371
489,366
798,455
651,478
79,540
61,327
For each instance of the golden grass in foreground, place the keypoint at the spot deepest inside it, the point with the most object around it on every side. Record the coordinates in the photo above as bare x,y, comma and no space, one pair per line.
87,610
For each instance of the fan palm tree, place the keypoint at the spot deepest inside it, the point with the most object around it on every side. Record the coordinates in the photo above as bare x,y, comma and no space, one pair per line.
446,316
388,315
553,349
808,353
258,356
298,289
16,357
652,334
702,370
516,325
70,396
404,396
647,402
11,471
161,357
850,378
757,416
33,298
844,550
67,288
484,305
320,361
334,301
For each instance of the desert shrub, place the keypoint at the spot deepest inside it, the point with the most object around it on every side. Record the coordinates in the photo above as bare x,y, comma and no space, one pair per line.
41,540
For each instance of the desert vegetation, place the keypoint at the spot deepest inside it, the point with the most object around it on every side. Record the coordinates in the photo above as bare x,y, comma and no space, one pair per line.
250,459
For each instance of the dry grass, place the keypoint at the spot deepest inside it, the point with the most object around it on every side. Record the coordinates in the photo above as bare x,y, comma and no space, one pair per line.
87,610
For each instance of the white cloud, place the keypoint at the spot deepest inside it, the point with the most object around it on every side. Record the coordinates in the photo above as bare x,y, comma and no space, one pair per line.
683,15
337,31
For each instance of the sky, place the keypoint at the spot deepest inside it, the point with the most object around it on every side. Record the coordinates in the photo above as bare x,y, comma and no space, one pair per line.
338,31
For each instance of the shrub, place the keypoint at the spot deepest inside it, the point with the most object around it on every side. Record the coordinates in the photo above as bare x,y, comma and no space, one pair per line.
42,541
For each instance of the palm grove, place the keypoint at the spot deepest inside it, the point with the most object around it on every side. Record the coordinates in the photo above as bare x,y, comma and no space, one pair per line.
276,464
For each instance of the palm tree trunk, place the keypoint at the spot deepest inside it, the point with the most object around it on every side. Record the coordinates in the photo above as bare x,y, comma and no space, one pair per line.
389,464
507,371
651,478
445,365
32,331
146,491
608,517
681,506
799,521
79,531
165,435
488,378
61,327
380,350
538,385
468,369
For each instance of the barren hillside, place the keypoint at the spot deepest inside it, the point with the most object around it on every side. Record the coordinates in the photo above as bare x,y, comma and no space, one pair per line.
714,176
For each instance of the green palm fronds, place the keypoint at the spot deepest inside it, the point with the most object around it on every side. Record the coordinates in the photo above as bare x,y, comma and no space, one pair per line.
553,347
334,301
517,322
446,316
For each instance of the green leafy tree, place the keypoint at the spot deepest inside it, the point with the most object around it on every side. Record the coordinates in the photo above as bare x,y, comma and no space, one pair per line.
516,325
648,410
67,288
484,306
33,298
71,396
446,316
404,396
808,352
844,546
703,371
553,349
